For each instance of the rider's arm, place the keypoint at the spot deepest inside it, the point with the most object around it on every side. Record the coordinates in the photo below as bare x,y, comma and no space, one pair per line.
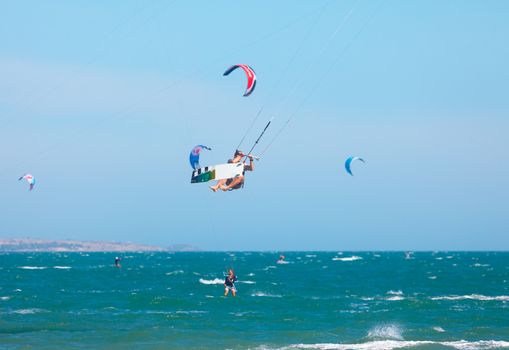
250,167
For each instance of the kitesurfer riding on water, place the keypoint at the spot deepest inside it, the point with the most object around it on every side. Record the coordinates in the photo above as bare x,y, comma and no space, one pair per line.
229,283
236,182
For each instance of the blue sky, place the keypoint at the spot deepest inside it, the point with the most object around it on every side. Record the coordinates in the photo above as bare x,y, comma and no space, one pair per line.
103,101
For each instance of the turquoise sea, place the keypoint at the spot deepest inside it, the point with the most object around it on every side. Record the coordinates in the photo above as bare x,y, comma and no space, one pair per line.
316,300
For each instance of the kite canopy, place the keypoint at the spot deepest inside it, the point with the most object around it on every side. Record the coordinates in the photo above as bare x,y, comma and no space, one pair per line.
194,156
349,161
30,179
250,74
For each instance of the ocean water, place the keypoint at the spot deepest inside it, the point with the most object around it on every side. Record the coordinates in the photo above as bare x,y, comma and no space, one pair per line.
317,300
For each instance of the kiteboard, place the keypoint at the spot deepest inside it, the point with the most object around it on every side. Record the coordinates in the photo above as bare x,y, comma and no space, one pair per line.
217,172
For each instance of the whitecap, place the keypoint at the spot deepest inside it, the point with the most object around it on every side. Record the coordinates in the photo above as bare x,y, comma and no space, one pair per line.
269,267
176,272
28,311
397,292
247,282
386,332
239,314
395,298
32,267
310,256
398,344
159,312
191,312
5,298
214,281
62,267
478,297
432,277
282,262
439,329
262,294
349,258
480,265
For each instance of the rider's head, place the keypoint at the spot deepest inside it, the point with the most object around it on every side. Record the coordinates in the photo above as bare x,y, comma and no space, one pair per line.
237,153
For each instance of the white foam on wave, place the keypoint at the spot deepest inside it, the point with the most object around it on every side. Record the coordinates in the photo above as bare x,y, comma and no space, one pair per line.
262,294
32,267
282,262
269,267
191,312
395,292
481,265
438,329
310,256
62,267
176,272
348,258
398,344
386,332
28,311
395,295
247,282
214,281
5,298
479,297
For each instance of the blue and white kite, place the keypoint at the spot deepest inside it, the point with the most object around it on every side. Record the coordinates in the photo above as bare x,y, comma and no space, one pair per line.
349,161
30,179
194,156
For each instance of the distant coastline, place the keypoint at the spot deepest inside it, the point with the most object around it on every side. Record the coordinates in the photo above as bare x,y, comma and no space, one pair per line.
44,245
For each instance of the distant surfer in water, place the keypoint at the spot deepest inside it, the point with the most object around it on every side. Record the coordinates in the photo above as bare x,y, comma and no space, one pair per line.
229,283
237,182
281,259
117,261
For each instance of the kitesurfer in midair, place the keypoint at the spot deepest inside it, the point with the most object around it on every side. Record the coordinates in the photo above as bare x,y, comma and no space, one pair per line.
229,283
237,182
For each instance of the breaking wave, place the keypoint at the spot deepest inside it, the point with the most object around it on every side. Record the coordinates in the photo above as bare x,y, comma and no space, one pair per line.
32,267
261,294
399,344
479,297
214,281
348,258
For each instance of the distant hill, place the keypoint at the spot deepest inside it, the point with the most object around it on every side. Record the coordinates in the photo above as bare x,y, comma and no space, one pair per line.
183,248
42,245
